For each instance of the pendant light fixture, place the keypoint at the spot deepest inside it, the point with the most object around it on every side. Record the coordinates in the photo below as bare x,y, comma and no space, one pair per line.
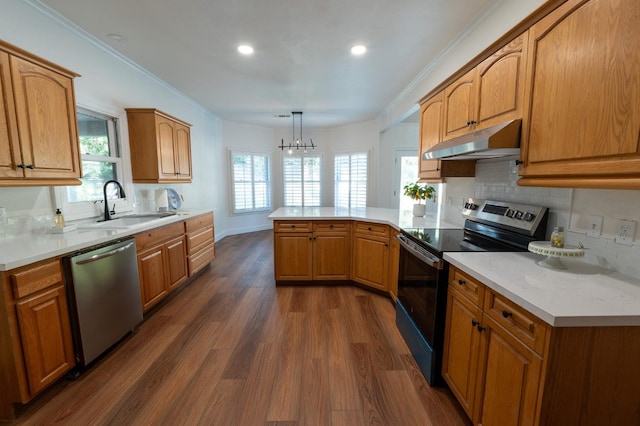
296,141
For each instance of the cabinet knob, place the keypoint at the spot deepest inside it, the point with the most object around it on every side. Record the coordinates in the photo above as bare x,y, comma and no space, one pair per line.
20,166
507,314
330,226
475,323
471,122
30,166
462,282
293,226
481,328
369,229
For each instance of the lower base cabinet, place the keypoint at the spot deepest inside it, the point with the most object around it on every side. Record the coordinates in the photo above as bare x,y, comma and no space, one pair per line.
507,367
36,348
371,255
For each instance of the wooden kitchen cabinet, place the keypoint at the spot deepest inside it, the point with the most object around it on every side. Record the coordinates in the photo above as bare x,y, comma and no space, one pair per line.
491,93
493,374
160,147
162,262
331,250
508,367
306,251
394,265
371,255
200,242
37,121
431,121
582,112
35,333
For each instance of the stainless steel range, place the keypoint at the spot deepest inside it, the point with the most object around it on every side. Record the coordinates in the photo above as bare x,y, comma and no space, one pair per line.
423,274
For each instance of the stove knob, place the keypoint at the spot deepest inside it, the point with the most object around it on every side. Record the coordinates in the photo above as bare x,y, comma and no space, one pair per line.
510,213
470,206
529,217
518,215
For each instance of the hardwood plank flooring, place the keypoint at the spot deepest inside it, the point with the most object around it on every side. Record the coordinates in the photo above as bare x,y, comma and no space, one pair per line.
231,348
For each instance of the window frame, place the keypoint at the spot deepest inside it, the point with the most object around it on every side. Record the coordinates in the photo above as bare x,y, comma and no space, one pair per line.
232,190
320,157
350,154
86,209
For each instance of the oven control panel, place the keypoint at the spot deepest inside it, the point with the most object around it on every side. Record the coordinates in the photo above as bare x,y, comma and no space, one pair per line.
522,217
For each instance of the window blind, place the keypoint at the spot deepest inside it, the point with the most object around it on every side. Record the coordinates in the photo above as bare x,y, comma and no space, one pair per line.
302,180
351,180
251,182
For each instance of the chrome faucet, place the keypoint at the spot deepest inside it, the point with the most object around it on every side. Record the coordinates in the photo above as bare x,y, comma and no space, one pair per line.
107,213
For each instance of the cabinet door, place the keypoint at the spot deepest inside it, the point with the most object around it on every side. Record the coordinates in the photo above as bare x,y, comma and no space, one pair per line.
500,84
9,151
331,256
152,274
459,106
183,152
46,115
166,146
431,116
461,348
394,266
176,260
584,97
46,337
293,256
509,376
371,261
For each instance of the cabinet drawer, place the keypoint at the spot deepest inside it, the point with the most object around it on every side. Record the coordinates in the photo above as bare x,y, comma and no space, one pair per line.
35,279
530,329
372,229
197,240
469,287
155,236
292,226
201,258
331,226
198,222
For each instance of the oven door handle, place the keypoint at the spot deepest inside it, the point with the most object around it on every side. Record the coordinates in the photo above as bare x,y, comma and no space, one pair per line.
425,256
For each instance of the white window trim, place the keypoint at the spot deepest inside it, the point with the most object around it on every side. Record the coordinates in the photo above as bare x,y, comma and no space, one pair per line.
89,209
232,209
302,156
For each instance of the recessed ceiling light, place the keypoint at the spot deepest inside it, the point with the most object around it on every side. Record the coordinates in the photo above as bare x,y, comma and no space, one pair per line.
358,50
116,37
245,49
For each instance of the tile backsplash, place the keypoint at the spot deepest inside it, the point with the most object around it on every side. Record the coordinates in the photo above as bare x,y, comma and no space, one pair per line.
569,208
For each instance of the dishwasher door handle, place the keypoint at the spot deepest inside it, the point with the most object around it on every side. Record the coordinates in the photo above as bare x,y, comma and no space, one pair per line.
97,257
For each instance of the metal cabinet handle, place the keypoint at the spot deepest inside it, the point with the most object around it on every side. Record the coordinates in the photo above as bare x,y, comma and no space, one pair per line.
475,323
507,314
461,282
97,257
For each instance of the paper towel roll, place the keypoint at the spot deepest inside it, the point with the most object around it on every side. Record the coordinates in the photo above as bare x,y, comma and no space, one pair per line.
162,201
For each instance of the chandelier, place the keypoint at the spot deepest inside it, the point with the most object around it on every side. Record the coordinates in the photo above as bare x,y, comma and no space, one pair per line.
296,141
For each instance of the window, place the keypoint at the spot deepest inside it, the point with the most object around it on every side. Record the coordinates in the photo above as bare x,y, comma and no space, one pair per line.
302,180
251,182
351,180
100,157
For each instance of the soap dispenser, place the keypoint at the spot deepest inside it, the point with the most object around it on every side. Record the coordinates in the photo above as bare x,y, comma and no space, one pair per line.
59,219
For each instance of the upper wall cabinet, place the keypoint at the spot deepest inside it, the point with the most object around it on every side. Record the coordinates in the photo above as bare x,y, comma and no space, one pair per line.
489,94
160,147
431,115
37,121
582,117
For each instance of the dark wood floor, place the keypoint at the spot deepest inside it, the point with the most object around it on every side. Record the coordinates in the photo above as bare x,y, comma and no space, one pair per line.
232,349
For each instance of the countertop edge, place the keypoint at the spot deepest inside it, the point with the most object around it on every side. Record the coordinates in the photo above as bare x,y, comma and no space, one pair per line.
93,238
552,319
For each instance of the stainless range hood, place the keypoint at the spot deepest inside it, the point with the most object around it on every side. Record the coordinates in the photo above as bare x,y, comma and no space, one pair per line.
497,141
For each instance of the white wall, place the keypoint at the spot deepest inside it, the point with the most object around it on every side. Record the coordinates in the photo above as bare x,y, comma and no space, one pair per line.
110,84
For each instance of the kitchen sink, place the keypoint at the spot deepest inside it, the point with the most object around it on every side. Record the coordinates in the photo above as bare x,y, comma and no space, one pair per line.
126,222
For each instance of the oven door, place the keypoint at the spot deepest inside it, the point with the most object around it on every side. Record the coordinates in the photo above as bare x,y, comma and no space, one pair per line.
421,305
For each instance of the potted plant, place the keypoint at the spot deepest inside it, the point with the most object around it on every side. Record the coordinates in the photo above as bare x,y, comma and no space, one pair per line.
419,192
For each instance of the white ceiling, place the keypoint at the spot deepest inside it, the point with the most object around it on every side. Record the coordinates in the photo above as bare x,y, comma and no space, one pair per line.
302,60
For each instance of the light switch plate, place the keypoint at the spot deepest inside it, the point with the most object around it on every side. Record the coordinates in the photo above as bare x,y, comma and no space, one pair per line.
595,226
626,232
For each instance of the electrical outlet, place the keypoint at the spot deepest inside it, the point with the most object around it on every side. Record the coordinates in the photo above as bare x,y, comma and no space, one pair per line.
595,226
626,232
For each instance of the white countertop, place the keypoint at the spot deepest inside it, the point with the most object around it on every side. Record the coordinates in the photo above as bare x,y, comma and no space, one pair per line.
30,248
582,295
394,217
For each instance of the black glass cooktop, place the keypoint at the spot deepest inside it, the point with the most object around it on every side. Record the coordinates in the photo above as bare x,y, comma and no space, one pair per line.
453,240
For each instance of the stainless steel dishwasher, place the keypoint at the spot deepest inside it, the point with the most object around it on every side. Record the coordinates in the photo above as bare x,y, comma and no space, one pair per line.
104,297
